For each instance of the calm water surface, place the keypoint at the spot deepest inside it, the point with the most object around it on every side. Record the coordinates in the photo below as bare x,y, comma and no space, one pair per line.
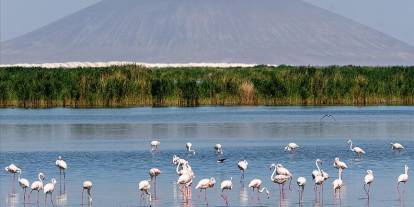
111,148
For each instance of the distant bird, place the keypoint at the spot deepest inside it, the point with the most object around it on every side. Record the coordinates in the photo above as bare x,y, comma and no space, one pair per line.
154,172
189,149
280,170
48,189
61,164
291,147
301,181
329,116
226,185
278,179
144,186
204,184
397,146
357,150
338,183
38,185
24,184
339,164
368,179
242,164
13,169
87,185
219,149
155,144
403,178
221,160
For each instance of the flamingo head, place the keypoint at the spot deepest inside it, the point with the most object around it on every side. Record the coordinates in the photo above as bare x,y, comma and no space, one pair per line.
349,141
53,181
406,167
60,157
279,166
370,172
272,165
212,181
42,176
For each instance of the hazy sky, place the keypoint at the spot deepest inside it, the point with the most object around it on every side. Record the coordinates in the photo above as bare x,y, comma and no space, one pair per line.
393,17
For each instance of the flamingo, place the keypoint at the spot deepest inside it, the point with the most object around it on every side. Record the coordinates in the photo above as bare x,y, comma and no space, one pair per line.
301,181
397,146
24,184
144,186
154,172
177,160
155,145
226,185
242,164
13,169
403,178
204,184
256,184
280,170
337,183
279,179
188,147
291,147
48,189
218,148
368,179
319,176
359,151
61,164
37,185
87,185
339,164
185,180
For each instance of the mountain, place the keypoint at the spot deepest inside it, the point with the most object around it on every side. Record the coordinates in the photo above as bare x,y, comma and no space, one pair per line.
218,31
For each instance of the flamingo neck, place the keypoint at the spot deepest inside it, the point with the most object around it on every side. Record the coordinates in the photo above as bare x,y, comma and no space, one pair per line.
339,174
261,190
350,145
317,166
406,170
272,177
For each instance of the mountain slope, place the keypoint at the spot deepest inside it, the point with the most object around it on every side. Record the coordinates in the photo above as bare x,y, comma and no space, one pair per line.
233,31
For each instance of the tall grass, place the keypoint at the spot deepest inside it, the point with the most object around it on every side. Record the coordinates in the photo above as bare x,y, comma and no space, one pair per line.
124,86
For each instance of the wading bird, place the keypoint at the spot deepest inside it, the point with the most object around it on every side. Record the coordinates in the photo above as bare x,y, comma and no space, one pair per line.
278,179
37,185
301,183
153,173
204,184
397,146
24,184
87,185
256,184
226,185
403,178
280,170
48,189
155,144
368,179
291,147
144,186
185,180
13,169
319,176
337,183
242,164
339,164
357,150
189,149
61,164
219,149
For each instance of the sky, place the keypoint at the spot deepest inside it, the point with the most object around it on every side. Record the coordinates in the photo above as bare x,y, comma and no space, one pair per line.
393,17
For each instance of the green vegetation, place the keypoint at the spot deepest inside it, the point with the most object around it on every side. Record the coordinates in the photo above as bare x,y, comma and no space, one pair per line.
124,86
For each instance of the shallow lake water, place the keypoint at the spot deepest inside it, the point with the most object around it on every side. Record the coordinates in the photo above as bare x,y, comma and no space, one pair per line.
110,147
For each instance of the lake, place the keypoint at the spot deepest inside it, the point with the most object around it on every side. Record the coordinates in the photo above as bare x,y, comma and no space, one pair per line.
111,148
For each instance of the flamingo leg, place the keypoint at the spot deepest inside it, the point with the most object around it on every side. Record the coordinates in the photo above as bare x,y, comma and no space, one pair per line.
83,190
51,199
14,184
60,180
155,187
64,181
24,196
45,200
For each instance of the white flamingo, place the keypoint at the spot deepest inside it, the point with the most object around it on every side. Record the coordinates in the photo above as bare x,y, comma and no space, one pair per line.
48,189
339,164
13,169
242,164
397,146
257,184
280,170
338,183
319,176
24,184
218,148
37,185
291,147
359,151
185,180
204,184
155,144
61,164
226,185
87,185
278,179
301,181
154,172
189,146
144,186
403,178
368,179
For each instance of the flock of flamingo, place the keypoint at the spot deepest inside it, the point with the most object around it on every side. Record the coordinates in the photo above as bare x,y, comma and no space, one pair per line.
280,176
